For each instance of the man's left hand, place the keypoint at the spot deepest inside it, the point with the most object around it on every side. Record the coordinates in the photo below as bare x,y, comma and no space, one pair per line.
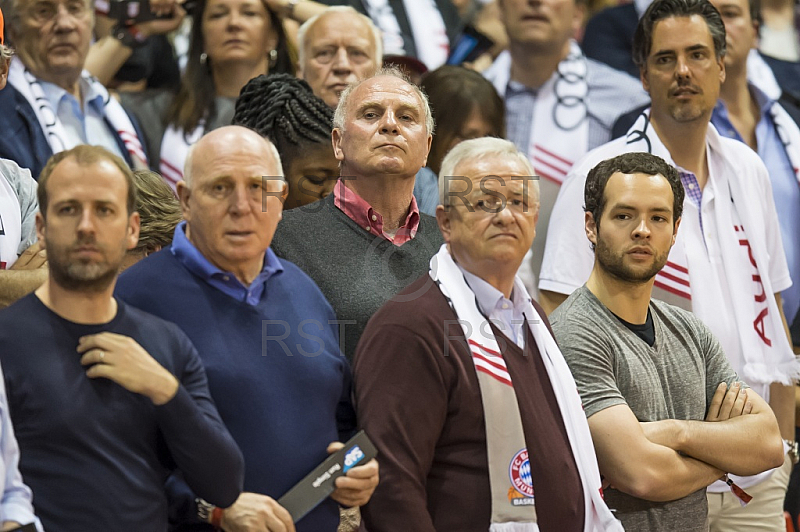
356,486
122,360
32,258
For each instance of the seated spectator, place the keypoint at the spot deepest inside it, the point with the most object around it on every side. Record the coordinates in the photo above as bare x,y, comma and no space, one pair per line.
481,113
232,41
337,47
267,337
283,109
106,400
159,213
50,105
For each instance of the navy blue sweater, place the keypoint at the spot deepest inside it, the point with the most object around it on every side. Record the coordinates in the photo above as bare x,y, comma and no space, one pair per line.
96,455
283,407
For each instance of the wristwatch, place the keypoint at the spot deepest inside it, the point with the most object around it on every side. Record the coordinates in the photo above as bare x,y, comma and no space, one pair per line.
128,35
793,452
204,510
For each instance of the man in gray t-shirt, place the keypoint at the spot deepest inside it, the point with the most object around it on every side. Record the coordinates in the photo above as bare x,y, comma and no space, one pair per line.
666,412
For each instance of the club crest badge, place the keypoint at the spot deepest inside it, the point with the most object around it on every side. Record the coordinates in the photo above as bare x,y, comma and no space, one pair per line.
519,472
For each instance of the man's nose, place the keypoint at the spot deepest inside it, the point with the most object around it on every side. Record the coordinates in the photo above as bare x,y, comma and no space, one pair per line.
341,61
87,222
642,230
389,122
63,18
503,216
240,201
682,67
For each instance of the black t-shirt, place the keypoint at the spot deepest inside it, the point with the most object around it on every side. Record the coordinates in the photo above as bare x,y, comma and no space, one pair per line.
645,331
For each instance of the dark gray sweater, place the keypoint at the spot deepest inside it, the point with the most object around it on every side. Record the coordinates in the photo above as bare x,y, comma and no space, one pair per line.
357,271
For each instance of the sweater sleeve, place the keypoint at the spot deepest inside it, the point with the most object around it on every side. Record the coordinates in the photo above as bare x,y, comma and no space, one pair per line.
199,443
401,400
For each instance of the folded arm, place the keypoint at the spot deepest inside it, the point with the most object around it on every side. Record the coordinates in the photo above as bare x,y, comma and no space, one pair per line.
742,445
639,467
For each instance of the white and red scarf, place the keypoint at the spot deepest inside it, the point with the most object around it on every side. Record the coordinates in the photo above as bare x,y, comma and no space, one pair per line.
505,441
760,361
28,85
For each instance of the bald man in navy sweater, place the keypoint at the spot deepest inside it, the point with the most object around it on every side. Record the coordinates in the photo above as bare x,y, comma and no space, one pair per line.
267,336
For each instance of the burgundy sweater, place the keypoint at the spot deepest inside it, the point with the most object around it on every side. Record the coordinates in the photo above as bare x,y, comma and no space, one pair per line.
418,398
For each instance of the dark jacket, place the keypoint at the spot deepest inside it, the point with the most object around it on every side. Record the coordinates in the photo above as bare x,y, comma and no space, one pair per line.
23,140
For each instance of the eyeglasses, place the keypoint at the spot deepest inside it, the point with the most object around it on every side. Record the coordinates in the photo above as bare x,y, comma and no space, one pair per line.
46,11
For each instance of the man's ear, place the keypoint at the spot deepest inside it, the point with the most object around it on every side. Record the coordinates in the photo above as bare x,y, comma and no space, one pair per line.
4,72
134,225
443,218
578,18
336,141
428,153
643,78
675,231
41,231
591,227
184,192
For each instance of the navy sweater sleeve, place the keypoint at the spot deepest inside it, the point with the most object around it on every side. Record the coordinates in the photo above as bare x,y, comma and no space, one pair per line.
200,445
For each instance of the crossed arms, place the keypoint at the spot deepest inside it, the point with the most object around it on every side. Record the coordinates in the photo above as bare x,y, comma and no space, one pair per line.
669,459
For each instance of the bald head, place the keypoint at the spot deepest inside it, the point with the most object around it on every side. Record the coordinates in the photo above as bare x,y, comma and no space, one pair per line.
231,143
232,199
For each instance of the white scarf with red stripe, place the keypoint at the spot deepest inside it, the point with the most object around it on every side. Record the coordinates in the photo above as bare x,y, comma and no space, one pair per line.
504,438
759,361
28,85
174,149
560,126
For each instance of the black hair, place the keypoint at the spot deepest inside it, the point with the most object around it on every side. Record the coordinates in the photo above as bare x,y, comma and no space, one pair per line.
630,163
284,109
663,9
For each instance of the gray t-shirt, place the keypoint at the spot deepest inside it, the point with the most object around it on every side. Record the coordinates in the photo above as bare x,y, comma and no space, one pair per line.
674,379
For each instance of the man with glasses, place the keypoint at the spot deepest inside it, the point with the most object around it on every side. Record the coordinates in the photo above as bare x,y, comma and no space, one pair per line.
458,379
50,105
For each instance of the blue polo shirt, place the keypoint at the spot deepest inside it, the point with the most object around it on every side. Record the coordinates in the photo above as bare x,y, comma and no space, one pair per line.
225,282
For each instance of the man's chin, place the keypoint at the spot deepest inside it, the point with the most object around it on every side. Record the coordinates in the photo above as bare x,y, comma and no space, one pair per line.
86,278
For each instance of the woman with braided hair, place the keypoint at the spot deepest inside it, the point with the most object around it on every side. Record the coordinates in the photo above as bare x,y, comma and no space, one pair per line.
285,110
